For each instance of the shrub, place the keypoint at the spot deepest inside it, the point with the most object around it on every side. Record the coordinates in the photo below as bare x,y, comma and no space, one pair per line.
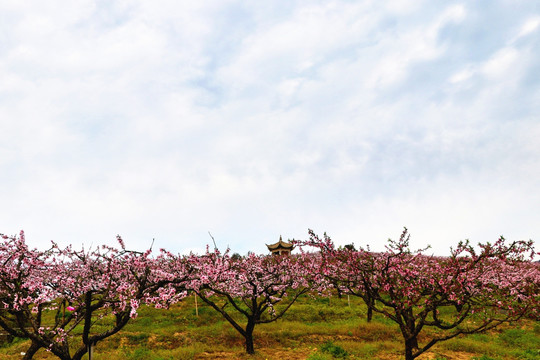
335,350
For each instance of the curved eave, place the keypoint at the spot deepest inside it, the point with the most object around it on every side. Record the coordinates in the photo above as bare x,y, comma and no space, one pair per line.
280,246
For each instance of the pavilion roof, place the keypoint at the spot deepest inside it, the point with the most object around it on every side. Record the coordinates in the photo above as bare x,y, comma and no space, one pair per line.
280,245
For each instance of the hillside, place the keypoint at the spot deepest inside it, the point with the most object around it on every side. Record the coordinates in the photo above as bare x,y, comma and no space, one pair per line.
313,329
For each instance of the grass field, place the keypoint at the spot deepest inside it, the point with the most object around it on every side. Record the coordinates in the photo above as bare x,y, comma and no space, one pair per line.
313,329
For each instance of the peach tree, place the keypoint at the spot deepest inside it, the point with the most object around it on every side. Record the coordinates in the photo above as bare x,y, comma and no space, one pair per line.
470,291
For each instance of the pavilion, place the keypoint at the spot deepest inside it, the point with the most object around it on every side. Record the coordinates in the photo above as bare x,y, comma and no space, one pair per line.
280,248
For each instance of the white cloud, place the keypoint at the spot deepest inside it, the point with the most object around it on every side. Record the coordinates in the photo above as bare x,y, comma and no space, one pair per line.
529,26
253,121
462,75
499,64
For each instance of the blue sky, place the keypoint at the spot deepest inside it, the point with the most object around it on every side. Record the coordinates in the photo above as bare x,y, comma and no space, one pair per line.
252,120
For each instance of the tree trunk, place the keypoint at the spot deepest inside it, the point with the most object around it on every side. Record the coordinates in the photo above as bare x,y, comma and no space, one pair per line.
83,350
62,355
410,345
370,303
250,349
32,350
408,353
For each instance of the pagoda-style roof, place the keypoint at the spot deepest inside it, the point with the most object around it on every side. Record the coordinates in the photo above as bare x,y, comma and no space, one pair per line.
280,245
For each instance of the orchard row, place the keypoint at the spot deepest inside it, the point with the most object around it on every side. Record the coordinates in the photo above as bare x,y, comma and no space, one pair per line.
55,297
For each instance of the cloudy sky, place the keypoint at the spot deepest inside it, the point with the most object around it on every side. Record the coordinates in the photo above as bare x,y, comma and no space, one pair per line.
255,119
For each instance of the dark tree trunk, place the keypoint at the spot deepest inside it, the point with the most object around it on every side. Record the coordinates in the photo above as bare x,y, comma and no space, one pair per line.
250,349
411,345
80,353
369,314
63,354
408,353
370,302
32,350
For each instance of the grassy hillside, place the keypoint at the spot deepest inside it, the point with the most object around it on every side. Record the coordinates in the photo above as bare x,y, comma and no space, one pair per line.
313,329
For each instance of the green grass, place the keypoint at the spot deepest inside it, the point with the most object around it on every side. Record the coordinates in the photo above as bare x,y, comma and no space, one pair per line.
314,329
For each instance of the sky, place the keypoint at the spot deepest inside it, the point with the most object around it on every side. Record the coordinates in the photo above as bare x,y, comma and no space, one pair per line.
251,120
